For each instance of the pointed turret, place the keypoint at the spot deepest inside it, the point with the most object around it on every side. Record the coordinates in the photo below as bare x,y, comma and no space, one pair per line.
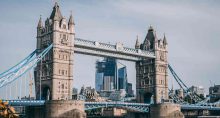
151,28
150,33
165,40
137,44
56,14
71,22
40,24
155,36
39,27
149,40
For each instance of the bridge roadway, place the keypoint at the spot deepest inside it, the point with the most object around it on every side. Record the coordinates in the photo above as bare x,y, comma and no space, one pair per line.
118,51
141,107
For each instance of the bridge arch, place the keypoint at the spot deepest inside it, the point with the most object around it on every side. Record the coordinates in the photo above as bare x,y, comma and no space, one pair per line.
148,97
46,93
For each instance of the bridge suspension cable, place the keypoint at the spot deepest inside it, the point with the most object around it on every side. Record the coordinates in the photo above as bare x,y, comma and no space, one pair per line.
13,82
185,88
16,73
17,66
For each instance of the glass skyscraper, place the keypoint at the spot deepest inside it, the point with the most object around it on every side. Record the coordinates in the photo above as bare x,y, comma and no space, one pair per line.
122,78
110,75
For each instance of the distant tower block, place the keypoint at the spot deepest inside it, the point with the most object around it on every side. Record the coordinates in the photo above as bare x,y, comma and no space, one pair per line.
56,69
151,74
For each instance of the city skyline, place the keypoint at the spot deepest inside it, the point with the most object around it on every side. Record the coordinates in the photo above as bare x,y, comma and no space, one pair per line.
191,37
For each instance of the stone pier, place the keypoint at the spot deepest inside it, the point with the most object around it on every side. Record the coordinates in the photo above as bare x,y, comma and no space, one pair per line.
58,109
166,110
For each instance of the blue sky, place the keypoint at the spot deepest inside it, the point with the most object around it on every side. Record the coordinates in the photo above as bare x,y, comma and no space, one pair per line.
191,27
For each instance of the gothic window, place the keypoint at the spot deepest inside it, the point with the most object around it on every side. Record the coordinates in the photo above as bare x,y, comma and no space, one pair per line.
64,26
62,86
64,39
142,83
147,81
162,58
62,72
64,36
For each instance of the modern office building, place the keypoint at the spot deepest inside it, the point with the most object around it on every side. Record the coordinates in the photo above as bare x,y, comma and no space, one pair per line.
99,79
110,75
122,78
106,74
108,83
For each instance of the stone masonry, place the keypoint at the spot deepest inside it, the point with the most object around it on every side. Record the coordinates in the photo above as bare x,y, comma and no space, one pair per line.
56,68
152,74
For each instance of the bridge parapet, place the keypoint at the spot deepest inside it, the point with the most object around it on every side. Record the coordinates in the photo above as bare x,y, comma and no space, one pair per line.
139,107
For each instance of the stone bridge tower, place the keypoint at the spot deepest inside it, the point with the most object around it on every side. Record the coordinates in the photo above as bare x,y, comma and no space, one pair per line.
56,69
152,74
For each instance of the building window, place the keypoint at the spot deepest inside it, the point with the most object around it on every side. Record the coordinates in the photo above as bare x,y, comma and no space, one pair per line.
64,26
62,72
64,36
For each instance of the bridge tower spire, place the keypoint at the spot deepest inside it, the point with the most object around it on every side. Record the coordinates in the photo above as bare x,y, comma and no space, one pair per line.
55,73
137,44
151,74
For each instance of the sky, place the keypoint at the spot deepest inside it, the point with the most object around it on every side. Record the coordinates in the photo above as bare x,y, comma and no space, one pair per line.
192,28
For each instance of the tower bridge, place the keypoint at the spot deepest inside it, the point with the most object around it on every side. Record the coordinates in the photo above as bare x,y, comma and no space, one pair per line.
51,67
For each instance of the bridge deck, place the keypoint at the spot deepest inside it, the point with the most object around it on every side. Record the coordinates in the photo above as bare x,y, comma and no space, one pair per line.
141,107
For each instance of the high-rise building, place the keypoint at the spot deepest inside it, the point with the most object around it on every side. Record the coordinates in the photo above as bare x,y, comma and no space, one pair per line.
122,78
110,75
99,79
108,83
105,74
